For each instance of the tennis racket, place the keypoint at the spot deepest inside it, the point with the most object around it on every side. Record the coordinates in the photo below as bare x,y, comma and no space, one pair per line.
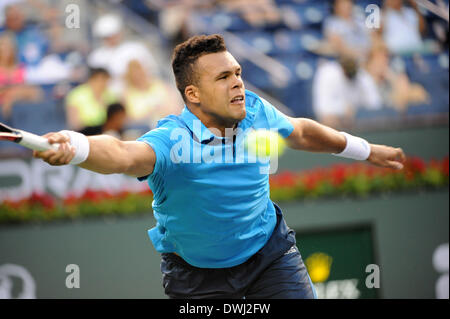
26,139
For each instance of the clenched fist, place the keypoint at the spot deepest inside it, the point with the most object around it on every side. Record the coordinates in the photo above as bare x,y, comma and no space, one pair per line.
386,156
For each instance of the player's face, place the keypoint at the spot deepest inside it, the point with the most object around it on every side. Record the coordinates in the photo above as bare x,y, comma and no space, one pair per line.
221,91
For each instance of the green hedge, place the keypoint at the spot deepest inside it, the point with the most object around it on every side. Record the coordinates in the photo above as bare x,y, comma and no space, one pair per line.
355,180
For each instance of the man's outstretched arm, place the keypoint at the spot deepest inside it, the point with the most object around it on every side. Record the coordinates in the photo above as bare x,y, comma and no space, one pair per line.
309,135
107,155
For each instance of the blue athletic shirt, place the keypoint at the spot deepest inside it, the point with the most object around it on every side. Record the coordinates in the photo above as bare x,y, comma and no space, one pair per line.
211,199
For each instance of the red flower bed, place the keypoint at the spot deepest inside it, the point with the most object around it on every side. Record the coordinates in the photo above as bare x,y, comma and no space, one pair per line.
356,179
90,203
359,179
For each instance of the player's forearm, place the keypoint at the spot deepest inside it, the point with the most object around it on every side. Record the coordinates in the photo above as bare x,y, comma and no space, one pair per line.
102,154
107,155
309,135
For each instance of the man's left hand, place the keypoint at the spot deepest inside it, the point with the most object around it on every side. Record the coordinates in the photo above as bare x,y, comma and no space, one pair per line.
386,156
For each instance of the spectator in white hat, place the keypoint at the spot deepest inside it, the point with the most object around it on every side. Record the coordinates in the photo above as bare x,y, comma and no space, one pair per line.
114,54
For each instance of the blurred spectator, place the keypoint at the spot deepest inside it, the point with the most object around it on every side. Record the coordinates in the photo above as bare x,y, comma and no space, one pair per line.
53,15
114,54
49,19
393,86
402,27
51,70
11,73
12,77
173,16
86,104
339,89
114,125
32,43
440,27
257,13
148,99
33,48
346,32
3,5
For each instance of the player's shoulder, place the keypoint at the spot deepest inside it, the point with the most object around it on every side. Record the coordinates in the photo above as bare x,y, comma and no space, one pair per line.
172,122
253,102
257,108
256,104
253,105
165,127
251,96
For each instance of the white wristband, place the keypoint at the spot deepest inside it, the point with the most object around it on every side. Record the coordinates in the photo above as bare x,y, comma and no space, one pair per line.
81,144
356,148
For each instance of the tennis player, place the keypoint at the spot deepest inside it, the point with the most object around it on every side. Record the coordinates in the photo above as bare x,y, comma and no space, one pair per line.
218,232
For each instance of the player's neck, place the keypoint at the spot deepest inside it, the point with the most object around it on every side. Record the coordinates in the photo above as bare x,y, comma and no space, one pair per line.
213,122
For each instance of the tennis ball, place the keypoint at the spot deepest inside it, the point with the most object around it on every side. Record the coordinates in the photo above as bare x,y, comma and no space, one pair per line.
265,143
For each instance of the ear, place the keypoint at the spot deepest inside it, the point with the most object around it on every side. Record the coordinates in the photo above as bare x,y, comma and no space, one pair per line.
192,94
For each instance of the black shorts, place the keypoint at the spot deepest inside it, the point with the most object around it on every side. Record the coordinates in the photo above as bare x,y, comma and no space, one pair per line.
275,271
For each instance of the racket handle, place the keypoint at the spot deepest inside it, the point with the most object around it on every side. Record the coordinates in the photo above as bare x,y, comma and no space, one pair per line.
36,142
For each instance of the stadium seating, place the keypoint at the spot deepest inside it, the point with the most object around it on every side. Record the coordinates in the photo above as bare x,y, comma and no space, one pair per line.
289,44
431,71
292,47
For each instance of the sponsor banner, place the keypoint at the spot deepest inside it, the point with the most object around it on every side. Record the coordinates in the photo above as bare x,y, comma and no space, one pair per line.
21,178
341,262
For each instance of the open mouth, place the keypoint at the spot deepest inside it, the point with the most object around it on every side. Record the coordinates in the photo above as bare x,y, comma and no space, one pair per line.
239,99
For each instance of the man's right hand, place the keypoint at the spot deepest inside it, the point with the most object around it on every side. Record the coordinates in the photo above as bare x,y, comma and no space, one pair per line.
63,155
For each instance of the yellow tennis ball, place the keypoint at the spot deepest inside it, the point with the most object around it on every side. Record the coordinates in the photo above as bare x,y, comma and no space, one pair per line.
265,143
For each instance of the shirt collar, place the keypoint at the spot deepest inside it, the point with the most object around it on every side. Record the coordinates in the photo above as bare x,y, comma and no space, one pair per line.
198,129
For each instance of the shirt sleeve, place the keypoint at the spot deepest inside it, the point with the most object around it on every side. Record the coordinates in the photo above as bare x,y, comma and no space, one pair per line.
276,119
159,140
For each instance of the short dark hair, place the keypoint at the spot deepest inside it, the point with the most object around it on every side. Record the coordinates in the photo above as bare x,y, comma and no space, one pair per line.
186,54
113,109
349,65
98,71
